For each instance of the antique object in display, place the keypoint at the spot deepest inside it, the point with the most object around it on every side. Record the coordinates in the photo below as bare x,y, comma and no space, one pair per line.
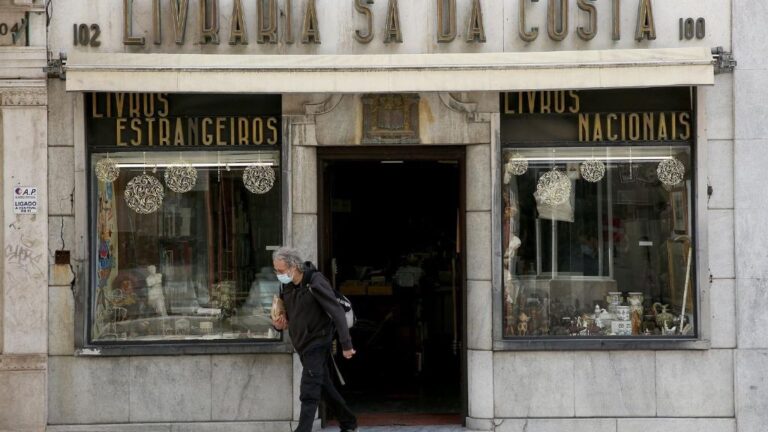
635,300
554,188
107,170
636,316
181,178
663,318
592,170
155,296
613,299
670,171
522,324
517,165
259,179
605,318
144,194
622,313
668,331
621,328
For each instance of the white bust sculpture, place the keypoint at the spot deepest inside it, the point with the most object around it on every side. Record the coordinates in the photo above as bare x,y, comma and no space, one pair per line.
155,295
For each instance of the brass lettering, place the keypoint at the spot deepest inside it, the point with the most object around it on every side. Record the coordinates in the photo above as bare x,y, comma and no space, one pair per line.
150,131
108,97
119,128
685,121
208,22
616,13
258,131
507,109
648,126
527,36
559,98
311,30
476,28
134,102
545,102
557,28
531,101
179,135
645,25
272,126
583,127
575,102
164,132
157,32
267,32
634,126
128,37
392,31
674,126
148,100
207,137
590,32
120,101
365,9
288,27
663,135
232,131
242,130
136,128
179,10
623,126
163,98
610,119
192,131
446,25
520,102
597,129
238,33
219,129
94,109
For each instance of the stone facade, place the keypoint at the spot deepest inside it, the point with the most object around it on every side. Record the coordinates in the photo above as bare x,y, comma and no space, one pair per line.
46,382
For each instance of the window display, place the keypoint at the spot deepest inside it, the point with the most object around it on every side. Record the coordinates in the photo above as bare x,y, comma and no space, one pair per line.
597,234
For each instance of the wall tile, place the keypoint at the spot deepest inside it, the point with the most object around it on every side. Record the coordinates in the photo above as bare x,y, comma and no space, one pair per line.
304,182
61,236
694,383
60,118
557,425
170,388
723,317
721,243
479,177
676,424
480,382
534,384
615,384
749,33
479,245
752,390
88,390
305,236
750,93
22,400
751,317
720,174
61,180
61,321
252,387
749,159
751,250
719,100
479,315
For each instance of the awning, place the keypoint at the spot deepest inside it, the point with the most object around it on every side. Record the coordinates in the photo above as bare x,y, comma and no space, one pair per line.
198,73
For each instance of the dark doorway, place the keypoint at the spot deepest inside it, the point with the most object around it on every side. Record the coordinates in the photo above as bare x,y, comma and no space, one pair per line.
392,230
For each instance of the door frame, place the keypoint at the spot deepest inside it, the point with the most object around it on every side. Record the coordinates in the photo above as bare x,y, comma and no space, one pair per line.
328,154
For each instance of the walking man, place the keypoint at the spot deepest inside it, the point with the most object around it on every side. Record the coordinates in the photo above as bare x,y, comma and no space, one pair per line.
312,315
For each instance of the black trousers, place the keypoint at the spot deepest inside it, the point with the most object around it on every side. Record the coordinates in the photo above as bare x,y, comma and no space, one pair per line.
316,382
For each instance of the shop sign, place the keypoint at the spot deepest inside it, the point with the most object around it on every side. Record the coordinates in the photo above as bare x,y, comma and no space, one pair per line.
599,116
122,121
13,29
25,200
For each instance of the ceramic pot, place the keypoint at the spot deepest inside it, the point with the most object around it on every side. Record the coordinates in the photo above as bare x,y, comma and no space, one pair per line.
662,316
635,300
613,299
622,313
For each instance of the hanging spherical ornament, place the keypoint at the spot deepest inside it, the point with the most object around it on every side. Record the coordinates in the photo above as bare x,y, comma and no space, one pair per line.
670,171
259,179
517,164
592,170
144,194
554,188
107,170
181,178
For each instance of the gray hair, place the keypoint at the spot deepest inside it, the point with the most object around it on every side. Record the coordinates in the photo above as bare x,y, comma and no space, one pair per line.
289,256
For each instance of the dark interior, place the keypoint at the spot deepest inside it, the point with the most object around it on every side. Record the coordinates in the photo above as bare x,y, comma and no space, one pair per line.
392,229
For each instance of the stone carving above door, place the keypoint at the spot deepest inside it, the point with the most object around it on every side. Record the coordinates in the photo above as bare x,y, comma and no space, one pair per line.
390,119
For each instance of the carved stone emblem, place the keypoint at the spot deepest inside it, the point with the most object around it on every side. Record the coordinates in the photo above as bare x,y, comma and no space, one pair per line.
391,119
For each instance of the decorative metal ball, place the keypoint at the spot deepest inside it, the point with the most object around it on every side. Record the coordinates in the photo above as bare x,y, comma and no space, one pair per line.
259,179
107,170
181,178
554,188
144,194
517,164
592,170
671,171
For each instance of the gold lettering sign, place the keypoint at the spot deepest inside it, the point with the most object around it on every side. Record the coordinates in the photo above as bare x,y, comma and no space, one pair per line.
365,9
557,24
525,34
446,25
208,21
590,32
128,37
267,21
238,34
476,28
179,10
311,29
645,26
392,31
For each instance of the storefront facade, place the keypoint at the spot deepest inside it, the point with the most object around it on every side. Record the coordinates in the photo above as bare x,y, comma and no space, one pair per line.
597,207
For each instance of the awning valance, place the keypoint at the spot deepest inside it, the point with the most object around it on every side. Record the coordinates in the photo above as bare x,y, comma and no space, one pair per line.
204,73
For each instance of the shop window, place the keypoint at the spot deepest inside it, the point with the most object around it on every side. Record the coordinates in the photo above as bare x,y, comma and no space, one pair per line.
186,208
597,236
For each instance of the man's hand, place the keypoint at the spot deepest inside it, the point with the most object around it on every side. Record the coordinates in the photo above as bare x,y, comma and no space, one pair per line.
349,353
281,323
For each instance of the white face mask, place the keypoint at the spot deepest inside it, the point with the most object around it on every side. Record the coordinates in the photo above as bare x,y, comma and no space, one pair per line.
284,278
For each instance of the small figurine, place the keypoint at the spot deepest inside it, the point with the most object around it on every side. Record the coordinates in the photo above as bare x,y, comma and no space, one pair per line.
155,295
522,324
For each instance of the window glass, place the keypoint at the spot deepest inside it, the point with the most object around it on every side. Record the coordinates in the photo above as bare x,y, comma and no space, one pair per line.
199,267
610,257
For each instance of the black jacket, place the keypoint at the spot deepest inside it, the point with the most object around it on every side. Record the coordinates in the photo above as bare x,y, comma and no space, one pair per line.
308,312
